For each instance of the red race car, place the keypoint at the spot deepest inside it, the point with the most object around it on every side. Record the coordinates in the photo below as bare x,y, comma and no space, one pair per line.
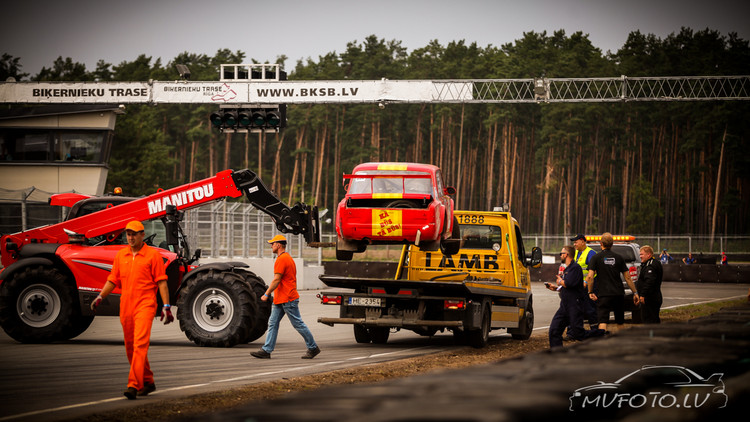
396,203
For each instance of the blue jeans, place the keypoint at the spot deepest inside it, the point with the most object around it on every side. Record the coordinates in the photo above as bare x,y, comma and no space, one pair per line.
291,309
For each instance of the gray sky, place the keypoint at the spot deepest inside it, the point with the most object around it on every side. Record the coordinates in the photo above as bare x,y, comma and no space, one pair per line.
39,31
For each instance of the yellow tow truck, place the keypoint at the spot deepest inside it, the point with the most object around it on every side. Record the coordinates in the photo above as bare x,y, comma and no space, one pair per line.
485,286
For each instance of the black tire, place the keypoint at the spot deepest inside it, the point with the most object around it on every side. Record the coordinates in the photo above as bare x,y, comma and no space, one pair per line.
453,245
343,255
361,334
38,305
478,338
426,331
459,336
380,335
216,309
260,322
525,326
79,324
401,203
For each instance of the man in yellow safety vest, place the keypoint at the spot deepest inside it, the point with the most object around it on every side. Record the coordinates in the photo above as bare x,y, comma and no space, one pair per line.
583,256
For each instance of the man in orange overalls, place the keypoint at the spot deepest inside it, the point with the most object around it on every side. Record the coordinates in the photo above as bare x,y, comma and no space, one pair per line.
138,270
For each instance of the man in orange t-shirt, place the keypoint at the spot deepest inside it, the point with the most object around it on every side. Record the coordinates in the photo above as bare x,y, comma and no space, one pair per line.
286,301
138,270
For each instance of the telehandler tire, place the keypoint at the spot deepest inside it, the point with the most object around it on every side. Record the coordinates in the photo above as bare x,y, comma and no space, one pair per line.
217,309
38,305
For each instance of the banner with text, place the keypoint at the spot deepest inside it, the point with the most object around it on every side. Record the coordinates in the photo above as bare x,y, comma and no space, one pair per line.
75,92
226,92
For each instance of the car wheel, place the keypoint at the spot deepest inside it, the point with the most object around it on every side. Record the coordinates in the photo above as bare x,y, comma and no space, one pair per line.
453,245
341,254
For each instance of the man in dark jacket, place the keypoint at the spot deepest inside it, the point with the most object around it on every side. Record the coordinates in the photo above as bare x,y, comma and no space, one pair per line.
649,286
570,312
607,267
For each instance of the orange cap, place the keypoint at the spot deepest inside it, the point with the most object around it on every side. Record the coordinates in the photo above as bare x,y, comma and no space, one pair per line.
135,226
278,238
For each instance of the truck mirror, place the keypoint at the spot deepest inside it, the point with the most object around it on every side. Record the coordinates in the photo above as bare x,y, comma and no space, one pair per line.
195,257
450,190
496,247
171,229
535,260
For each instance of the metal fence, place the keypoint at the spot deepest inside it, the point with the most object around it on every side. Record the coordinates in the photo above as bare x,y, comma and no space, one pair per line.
232,229
695,244
226,229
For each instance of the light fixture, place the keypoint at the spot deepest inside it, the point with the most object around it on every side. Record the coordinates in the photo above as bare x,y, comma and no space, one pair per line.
183,71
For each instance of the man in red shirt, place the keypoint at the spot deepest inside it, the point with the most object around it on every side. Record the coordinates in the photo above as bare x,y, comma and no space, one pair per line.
286,301
138,270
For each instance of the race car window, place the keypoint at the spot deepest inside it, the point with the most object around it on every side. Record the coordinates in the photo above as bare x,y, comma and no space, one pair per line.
439,182
390,184
360,185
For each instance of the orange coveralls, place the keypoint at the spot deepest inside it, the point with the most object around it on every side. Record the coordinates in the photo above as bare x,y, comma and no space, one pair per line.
138,277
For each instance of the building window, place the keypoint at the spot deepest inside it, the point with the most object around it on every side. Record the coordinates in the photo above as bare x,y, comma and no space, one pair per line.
30,146
79,146
58,146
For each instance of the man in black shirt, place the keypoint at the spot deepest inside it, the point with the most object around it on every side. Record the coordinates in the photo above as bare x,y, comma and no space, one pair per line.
607,266
649,286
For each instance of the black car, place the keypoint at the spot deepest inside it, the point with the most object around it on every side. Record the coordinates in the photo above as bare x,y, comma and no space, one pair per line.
653,387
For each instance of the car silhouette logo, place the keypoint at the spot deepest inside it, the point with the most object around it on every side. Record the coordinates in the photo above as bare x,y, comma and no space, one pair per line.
653,386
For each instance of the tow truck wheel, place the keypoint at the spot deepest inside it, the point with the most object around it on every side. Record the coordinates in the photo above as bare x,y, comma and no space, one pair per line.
525,326
260,324
216,309
361,334
478,338
37,305
380,335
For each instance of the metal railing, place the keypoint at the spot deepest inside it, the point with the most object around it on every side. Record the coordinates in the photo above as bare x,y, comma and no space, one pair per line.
226,229
682,244
239,230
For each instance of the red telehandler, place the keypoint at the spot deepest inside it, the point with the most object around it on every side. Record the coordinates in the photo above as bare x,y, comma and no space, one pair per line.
52,273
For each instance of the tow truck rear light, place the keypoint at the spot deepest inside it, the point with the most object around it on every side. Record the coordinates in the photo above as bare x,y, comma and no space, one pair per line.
454,304
377,291
330,299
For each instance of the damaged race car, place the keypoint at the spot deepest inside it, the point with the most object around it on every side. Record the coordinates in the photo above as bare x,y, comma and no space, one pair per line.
396,203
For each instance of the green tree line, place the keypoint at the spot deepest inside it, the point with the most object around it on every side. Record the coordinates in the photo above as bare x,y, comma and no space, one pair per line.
670,168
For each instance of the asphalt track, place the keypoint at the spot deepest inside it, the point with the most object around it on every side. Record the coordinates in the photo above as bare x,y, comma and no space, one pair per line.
87,375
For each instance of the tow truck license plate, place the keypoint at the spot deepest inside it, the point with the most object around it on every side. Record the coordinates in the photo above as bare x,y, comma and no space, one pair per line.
364,301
